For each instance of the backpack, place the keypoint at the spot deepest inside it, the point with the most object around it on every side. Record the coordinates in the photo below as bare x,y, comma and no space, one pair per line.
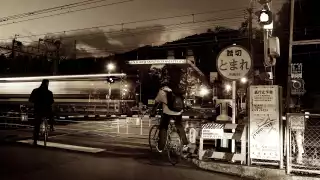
175,102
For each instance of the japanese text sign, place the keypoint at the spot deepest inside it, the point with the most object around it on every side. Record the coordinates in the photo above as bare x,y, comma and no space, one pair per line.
234,62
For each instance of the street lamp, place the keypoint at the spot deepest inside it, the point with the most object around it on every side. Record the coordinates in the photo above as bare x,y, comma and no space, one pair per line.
204,91
228,87
111,67
244,80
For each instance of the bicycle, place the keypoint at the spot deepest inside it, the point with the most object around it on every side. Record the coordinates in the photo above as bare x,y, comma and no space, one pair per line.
44,130
173,144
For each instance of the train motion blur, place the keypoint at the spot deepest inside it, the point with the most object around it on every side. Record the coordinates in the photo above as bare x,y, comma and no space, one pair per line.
81,94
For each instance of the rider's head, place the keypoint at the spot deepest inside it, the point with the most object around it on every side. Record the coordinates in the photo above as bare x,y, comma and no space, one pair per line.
175,75
45,83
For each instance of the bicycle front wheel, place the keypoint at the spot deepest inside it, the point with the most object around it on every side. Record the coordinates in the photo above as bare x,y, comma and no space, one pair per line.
153,137
45,133
174,147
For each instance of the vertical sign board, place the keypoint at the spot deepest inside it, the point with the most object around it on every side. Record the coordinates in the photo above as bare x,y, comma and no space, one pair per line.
265,123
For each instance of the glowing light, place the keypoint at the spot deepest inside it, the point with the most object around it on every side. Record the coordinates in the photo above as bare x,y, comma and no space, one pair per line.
306,114
111,67
228,87
204,91
264,17
244,80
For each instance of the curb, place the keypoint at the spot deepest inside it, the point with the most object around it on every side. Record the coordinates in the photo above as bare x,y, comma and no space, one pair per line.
249,172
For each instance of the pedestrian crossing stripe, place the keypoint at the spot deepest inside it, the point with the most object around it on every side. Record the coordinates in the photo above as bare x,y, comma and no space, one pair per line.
213,126
66,146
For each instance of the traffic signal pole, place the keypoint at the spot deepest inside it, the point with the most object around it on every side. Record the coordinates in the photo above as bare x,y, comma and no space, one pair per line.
290,55
291,44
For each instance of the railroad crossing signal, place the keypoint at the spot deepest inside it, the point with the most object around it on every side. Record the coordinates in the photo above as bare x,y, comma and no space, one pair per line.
297,87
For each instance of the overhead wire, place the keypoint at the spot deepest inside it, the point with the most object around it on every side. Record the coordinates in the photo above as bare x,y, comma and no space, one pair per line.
48,10
166,28
129,23
68,12
158,43
176,29
130,46
123,24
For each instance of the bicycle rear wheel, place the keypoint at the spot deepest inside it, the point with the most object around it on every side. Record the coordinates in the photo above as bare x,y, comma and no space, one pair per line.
174,147
153,137
45,133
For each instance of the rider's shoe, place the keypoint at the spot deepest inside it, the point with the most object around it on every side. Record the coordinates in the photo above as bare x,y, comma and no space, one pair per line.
160,151
185,148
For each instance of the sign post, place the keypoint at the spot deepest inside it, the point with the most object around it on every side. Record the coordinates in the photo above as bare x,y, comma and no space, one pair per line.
265,124
233,63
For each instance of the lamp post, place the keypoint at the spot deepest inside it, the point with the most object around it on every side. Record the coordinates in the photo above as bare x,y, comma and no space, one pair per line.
110,67
203,92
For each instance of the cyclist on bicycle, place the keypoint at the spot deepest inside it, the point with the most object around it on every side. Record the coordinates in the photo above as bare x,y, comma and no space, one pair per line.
42,98
171,98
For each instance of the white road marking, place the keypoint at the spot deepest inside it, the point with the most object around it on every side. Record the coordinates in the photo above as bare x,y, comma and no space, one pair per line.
66,146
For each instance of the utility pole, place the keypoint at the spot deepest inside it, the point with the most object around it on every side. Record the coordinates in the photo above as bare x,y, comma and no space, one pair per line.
75,49
250,31
13,45
290,55
56,53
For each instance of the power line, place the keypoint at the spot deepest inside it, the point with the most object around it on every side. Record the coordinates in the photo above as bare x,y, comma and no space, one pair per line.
177,45
68,12
48,10
119,24
175,30
172,45
158,42
196,24
127,23
164,29
175,27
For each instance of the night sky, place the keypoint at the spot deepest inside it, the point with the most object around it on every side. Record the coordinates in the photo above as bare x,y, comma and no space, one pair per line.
121,13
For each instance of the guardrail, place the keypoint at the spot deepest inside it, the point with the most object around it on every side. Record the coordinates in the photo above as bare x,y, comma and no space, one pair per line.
215,131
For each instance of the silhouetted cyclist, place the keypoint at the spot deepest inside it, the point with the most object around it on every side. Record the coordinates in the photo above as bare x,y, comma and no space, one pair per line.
42,98
171,98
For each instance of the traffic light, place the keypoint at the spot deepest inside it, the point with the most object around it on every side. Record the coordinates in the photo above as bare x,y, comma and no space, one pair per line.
265,17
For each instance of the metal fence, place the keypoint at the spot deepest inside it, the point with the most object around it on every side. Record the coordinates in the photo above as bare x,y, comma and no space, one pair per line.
303,143
137,125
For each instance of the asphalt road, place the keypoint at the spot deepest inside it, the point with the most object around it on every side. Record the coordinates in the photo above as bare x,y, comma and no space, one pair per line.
89,156
27,162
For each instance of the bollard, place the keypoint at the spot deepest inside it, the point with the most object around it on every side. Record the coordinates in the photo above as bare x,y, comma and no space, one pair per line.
118,126
192,135
141,127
